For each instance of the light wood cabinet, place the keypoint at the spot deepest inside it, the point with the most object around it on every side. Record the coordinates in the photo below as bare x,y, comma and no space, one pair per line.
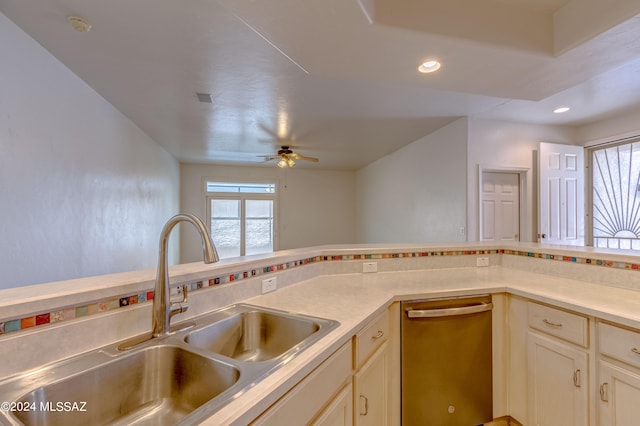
332,395
516,330
619,395
561,324
394,370
372,378
309,397
558,367
370,337
370,390
558,382
557,376
340,410
620,344
619,375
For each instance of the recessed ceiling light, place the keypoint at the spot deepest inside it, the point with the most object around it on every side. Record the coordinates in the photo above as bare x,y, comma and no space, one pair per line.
561,109
429,66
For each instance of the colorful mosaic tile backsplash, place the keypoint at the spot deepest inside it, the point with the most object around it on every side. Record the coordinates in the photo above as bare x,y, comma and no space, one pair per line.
72,312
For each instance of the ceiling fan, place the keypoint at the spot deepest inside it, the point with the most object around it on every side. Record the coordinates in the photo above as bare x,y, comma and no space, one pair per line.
286,157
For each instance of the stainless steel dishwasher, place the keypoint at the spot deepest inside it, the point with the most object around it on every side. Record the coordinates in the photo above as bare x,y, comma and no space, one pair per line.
446,362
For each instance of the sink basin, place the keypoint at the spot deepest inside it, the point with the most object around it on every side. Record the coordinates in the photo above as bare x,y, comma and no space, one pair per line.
158,385
254,335
182,378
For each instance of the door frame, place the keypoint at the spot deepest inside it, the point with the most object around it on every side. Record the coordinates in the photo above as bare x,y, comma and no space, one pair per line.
523,175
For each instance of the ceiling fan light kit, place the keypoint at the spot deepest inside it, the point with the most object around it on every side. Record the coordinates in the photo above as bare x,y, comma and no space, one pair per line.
285,161
286,157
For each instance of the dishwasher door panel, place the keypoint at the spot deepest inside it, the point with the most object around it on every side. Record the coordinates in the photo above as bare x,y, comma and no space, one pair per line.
446,363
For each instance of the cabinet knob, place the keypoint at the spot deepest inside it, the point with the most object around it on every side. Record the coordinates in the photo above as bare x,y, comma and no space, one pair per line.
576,378
378,335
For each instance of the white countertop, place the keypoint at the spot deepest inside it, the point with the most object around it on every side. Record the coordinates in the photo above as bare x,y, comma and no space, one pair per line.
353,299
18,301
325,289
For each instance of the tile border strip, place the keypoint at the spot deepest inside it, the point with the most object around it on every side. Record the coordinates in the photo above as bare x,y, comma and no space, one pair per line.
72,312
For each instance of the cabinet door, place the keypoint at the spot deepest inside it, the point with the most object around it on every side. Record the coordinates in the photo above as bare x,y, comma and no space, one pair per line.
311,394
619,396
558,382
339,412
370,390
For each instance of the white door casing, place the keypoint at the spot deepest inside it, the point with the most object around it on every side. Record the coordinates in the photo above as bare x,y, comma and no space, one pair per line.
500,207
561,194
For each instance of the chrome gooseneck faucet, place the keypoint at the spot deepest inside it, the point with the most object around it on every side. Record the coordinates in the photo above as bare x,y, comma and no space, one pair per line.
163,308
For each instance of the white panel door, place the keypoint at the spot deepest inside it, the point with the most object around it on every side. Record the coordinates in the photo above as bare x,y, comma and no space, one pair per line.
500,207
561,194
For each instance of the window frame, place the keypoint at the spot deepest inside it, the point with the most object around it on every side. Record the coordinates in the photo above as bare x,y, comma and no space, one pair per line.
243,197
590,149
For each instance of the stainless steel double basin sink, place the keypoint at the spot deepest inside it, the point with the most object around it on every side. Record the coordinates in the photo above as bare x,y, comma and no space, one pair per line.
180,379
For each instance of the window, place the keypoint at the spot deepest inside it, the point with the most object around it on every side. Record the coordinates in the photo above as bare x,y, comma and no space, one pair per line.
615,179
241,217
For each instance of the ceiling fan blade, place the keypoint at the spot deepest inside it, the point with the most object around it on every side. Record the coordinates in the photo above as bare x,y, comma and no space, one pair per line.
302,157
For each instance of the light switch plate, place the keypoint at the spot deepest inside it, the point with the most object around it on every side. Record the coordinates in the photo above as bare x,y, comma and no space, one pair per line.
369,267
269,285
482,261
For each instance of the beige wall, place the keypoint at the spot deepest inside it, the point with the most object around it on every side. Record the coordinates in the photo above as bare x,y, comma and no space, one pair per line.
315,206
506,145
617,127
83,190
428,190
418,193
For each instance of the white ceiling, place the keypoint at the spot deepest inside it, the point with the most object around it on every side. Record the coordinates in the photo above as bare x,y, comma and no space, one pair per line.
337,79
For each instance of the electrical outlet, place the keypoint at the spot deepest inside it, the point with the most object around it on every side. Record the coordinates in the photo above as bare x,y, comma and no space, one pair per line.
269,285
482,261
370,267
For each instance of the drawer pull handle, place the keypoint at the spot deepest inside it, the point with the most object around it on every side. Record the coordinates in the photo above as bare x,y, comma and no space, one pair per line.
576,378
366,405
378,335
551,323
604,392
635,351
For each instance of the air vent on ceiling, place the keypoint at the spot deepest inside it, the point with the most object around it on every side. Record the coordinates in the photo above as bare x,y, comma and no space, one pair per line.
205,98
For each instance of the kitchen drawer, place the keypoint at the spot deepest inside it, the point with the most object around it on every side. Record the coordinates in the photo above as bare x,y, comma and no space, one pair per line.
371,337
568,326
620,343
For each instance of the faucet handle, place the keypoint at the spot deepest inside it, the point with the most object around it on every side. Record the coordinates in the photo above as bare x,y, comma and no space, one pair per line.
184,293
180,306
